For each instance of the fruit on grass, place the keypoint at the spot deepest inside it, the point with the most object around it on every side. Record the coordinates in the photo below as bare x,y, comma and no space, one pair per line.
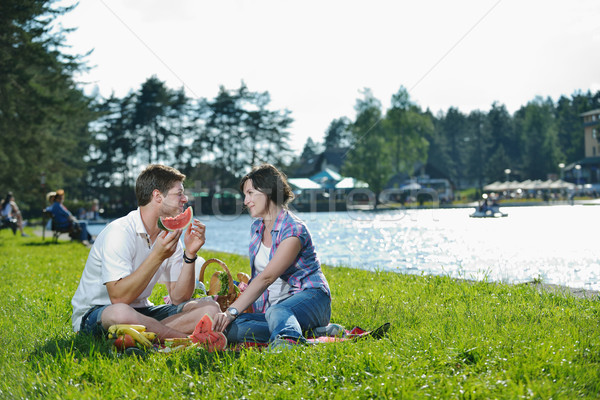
114,328
206,337
182,221
123,342
151,336
140,339
175,342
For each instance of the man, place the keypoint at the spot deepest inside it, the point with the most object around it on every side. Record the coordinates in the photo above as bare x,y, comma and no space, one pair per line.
132,254
64,219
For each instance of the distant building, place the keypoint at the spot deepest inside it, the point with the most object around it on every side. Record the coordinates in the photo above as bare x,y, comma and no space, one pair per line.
318,184
586,172
591,131
427,177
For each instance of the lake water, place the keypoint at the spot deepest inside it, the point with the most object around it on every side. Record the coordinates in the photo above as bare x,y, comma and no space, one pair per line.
555,243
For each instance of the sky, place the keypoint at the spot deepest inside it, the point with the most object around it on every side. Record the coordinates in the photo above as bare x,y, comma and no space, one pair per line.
316,57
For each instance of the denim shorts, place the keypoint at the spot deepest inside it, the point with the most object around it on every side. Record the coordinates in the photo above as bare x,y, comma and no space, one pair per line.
92,320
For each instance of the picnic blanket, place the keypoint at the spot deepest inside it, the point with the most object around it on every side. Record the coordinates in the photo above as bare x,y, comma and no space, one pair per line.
354,334
204,337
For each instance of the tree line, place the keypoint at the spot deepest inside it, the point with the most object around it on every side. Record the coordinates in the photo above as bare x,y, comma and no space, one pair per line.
55,136
471,149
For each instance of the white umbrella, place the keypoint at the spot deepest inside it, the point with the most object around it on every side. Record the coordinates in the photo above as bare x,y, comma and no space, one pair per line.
492,186
411,186
560,184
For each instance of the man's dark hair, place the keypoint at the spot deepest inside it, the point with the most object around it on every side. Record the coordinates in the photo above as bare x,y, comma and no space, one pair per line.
155,176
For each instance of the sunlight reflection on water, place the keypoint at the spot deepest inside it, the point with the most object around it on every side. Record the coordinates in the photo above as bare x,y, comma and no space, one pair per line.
554,243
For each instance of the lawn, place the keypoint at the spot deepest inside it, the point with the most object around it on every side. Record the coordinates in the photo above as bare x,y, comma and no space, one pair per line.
450,339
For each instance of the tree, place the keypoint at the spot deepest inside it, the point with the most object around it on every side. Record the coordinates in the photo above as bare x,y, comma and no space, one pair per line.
502,133
157,117
438,155
310,150
405,129
477,144
497,163
113,151
369,158
43,115
338,134
541,152
453,127
265,131
241,131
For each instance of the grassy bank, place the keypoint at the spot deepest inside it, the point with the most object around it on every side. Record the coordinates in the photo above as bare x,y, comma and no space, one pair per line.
449,339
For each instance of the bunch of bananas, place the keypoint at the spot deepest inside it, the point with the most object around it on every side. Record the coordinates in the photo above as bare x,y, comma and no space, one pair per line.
141,338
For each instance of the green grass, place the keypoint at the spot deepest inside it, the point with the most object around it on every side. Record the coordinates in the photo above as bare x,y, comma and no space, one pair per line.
450,339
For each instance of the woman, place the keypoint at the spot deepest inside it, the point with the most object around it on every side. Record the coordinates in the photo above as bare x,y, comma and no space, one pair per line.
9,210
288,291
64,219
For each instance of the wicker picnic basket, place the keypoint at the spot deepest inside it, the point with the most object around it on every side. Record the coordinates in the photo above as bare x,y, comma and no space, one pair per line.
224,300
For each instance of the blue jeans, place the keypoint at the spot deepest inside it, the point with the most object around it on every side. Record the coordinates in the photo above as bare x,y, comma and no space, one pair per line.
92,320
303,311
85,235
83,231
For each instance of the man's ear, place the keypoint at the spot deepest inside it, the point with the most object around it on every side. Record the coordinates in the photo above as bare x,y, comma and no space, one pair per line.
156,195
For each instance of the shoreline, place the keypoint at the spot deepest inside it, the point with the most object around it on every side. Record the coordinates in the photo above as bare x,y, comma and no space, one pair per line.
541,287
343,206
575,292
508,203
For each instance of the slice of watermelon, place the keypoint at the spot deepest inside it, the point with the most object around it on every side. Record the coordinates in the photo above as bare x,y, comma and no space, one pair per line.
182,221
206,337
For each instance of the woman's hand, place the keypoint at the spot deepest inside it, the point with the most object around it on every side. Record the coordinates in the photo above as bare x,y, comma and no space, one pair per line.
222,321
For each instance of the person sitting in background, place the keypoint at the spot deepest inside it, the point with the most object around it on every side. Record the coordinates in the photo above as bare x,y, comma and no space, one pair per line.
94,213
81,213
9,209
63,219
49,201
50,198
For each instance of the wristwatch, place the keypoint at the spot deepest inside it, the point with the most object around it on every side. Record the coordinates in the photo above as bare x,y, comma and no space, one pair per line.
233,312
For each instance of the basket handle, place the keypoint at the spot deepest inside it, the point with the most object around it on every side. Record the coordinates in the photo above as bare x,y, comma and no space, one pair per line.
224,266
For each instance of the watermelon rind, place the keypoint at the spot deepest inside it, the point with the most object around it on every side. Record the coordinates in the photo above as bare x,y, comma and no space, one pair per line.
172,223
161,226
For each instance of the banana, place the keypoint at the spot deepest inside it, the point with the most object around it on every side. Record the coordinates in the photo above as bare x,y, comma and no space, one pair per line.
114,328
151,336
137,336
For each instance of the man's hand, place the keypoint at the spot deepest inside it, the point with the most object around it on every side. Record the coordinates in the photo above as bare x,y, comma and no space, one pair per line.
195,237
166,243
